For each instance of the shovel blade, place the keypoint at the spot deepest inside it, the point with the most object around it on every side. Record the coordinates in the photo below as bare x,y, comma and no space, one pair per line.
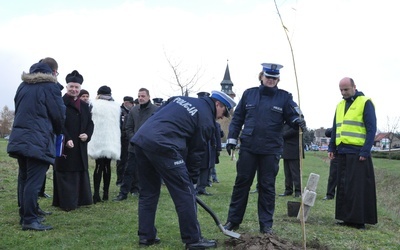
231,234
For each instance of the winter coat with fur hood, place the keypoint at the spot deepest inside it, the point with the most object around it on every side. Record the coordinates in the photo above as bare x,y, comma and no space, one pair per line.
106,138
39,115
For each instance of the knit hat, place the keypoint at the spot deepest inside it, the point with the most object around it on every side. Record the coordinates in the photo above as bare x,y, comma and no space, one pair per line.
128,99
74,76
83,92
104,90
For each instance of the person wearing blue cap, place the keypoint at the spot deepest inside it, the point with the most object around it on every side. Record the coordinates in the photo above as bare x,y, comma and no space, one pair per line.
170,146
258,120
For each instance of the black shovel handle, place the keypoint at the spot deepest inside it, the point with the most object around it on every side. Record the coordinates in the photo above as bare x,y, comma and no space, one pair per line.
208,209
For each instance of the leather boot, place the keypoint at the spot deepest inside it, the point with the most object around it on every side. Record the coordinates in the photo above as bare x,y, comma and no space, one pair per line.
106,179
96,182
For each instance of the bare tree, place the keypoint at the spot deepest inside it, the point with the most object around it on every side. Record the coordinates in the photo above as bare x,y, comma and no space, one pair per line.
392,129
6,121
185,81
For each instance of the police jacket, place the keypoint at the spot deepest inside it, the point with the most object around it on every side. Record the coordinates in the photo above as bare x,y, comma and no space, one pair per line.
183,125
369,122
262,112
39,115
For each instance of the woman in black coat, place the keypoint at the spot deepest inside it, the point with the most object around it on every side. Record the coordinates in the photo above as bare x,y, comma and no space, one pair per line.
71,177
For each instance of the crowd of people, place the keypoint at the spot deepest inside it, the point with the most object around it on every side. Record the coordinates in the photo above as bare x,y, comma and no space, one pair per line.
177,143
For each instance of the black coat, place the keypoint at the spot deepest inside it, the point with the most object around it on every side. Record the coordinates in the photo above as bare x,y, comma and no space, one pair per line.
39,115
76,123
291,143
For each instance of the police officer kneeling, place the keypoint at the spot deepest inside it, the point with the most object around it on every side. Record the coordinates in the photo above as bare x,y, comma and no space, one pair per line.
170,146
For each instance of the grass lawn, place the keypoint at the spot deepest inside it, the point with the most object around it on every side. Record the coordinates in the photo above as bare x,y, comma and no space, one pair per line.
113,225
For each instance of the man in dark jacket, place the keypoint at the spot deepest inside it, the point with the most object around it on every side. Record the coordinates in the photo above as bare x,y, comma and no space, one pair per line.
39,116
134,120
121,163
291,161
171,145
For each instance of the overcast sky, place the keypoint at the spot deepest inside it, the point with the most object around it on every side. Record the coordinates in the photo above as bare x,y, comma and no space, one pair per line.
122,44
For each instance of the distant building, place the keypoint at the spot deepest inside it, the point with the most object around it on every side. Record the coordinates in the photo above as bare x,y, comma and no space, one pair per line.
226,87
319,137
382,140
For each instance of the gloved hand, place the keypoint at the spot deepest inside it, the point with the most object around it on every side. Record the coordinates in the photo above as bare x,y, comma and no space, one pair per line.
230,147
301,123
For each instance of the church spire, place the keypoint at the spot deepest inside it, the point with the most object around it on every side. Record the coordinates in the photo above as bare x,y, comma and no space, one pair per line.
226,83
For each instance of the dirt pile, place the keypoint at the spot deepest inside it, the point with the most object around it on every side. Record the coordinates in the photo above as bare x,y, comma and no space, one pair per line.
256,242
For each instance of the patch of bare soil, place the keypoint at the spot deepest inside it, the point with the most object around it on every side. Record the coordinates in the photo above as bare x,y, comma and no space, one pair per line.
265,242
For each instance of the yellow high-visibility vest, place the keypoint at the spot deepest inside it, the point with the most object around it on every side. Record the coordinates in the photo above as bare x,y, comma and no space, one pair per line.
350,128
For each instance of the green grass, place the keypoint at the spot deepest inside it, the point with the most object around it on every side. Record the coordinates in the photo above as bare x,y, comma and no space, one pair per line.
113,225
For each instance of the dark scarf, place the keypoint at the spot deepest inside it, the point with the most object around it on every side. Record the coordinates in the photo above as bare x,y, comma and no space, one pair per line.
76,103
143,106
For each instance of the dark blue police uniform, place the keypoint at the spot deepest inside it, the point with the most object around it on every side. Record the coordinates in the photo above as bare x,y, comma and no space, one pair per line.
261,112
170,146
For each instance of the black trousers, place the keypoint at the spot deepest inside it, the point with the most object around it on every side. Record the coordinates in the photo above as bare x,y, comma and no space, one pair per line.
332,179
292,176
267,167
31,175
130,181
202,182
121,164
172,169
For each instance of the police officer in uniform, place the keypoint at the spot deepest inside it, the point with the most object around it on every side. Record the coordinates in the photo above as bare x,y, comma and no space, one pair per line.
158,101
261,112
171,145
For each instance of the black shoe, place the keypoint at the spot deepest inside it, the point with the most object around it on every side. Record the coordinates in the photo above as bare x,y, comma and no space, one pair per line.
286,194
231,226
204,193
120,198
216,181
297,195
96,198
349,224
201,244
327,198
36,226
105,196
266,230
359,226
44,195
144,242
43,213
40,219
